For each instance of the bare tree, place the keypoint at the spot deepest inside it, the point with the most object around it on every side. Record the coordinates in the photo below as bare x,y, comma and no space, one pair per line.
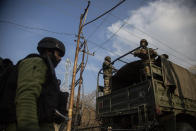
88,112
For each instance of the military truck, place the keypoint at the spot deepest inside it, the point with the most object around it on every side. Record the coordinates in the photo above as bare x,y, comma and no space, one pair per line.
148,94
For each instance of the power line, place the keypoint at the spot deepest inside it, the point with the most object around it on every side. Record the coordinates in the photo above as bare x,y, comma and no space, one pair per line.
104,13
35,28
25,29
114,34
96,28
98,45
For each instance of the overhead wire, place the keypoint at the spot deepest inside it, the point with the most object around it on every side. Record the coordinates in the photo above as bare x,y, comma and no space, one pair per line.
26,29
111,14
103,20
110,51
105,42
36,28
113,34
122,1
29,29
95,30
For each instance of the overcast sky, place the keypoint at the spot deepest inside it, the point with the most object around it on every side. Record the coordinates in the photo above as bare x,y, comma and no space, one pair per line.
169,25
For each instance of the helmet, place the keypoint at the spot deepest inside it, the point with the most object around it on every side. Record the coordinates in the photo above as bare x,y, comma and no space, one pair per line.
108,58
143,43
165,56
51,43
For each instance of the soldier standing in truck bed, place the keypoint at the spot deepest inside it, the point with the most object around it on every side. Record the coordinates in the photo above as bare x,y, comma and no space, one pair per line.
107,74
144,52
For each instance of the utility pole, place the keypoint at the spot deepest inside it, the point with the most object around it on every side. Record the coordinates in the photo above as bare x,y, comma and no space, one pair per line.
80,83
71,100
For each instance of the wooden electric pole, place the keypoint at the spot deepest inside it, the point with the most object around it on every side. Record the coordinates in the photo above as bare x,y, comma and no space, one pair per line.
71,99
80,84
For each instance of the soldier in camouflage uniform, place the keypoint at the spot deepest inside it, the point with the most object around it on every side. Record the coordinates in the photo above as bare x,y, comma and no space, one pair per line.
143,51
37,93
107,74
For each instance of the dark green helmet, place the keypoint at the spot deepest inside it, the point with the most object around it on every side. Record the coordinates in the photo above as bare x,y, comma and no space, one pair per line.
108,58
143,43
51,43
165,56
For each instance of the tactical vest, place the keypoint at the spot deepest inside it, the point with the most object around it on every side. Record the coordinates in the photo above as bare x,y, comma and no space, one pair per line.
50,97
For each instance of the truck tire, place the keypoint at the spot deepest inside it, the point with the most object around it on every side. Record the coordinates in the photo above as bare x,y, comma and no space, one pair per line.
183,126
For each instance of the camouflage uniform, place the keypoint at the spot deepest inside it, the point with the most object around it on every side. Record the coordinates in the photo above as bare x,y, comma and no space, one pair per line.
107,74
143,51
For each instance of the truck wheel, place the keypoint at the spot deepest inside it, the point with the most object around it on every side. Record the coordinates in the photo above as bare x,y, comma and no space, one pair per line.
183,126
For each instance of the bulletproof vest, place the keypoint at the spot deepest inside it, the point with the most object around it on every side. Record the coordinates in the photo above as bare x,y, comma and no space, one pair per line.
48,100
51,98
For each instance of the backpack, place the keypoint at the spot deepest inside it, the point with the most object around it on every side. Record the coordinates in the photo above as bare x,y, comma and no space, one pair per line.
8,84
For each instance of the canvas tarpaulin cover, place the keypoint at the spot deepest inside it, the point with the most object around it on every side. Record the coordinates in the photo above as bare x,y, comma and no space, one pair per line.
181,78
